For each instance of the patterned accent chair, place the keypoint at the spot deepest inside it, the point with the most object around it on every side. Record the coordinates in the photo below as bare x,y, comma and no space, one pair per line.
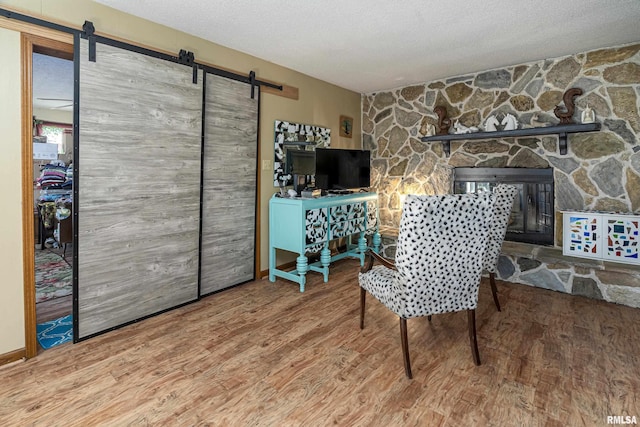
505,195
438,265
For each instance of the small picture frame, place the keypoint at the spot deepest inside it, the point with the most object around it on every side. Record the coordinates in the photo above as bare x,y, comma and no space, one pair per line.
346,126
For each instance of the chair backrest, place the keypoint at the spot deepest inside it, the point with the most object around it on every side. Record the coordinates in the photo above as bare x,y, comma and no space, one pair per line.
505,195
441,247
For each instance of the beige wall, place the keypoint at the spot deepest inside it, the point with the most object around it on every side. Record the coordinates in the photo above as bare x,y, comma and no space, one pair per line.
319,104
12,300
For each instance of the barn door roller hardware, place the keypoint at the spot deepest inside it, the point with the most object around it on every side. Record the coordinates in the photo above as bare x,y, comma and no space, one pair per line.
187,58
88,31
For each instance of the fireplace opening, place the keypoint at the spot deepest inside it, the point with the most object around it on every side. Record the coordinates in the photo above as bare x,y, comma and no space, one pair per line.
532,217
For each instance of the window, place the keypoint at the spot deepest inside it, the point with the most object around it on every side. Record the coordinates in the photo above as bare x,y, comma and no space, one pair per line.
54,136
54,132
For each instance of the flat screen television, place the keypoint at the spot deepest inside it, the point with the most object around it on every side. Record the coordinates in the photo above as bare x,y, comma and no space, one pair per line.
342,169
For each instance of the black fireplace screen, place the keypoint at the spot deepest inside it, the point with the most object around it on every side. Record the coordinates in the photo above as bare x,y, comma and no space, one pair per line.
532,216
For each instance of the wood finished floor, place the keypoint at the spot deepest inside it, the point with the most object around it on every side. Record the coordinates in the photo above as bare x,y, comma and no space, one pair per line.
265,354
54,308
57,307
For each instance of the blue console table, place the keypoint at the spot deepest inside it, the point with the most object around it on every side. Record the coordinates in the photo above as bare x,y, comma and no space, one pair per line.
306,226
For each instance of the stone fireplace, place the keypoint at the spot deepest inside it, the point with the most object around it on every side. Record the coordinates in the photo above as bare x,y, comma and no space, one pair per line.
600,171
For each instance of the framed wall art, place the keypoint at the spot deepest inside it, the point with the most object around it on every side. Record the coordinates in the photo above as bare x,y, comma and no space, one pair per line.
346,126
298,136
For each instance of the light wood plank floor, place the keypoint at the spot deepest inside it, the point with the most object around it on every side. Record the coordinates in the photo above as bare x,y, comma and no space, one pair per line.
54,308
57,307
265,354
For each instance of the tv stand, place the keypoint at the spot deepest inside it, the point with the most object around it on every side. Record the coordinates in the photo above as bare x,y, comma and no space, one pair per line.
339,191
306,226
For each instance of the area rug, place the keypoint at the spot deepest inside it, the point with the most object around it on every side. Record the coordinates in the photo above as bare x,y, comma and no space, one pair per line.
55,332
53,276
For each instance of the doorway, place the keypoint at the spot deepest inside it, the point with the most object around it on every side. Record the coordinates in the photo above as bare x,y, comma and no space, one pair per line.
50,98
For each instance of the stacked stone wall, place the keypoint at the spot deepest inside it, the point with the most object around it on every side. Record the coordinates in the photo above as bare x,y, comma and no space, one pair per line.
601,170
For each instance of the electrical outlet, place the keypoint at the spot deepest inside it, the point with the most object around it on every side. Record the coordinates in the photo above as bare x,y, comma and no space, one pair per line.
266,165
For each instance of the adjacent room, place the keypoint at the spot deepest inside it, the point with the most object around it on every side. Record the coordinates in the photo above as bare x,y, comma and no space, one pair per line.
343,213
53,195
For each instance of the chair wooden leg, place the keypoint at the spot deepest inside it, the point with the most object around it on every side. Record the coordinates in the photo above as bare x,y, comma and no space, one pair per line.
494,290
405,347
363,295
471,318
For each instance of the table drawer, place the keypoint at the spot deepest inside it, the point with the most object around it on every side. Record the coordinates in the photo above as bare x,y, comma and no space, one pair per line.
345,228
316,226
347,212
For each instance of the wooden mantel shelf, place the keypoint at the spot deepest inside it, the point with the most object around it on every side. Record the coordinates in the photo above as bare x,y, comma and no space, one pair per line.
561,130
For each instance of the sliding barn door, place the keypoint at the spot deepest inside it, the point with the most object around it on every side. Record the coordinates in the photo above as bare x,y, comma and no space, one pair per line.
138,198
229,184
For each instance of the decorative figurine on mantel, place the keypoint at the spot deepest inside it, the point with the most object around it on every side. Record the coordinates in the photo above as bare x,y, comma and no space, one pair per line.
566,116
490,125
509,122
459,128
444,123
588,115
535,121
427,129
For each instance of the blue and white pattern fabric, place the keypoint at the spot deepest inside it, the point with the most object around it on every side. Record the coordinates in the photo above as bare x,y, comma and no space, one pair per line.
505,195
439,259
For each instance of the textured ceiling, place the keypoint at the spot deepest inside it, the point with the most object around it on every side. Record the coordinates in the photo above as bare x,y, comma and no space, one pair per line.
372,45
52,83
